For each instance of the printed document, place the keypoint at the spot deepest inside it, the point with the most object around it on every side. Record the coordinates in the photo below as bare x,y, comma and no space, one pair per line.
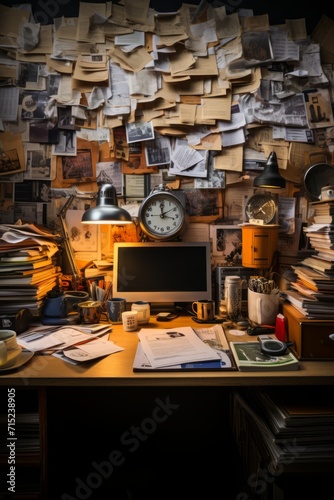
174,346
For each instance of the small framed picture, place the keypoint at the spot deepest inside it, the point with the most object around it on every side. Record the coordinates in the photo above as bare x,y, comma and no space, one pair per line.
226,242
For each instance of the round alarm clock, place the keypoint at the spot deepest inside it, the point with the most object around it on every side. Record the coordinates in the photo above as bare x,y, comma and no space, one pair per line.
162,215
261,207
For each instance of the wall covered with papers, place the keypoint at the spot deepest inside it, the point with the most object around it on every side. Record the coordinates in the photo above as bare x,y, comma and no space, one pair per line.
197,98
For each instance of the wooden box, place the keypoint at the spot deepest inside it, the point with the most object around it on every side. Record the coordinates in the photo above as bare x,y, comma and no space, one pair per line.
311,337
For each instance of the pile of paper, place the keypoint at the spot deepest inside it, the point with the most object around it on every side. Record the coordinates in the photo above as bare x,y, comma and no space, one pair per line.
27,268
74,344
182,348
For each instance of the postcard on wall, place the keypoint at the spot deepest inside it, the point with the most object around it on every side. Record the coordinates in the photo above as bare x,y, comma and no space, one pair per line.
139,131
226,241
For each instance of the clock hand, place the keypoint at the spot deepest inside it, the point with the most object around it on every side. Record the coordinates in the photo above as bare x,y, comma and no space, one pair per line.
164,213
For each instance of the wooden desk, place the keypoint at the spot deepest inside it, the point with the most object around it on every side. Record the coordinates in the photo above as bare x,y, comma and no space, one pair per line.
116,369
84,410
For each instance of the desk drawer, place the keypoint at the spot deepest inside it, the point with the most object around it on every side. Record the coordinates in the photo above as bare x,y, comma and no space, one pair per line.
310,337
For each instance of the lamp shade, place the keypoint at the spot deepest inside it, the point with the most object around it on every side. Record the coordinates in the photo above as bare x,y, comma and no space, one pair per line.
106,210
270,177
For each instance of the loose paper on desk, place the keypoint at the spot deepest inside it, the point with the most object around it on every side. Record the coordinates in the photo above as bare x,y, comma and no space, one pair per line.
46,338
174,346
88,351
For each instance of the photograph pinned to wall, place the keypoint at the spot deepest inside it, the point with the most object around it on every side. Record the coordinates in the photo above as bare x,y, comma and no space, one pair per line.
34,105
158,151
226,242
136,163
215,179
318,108
33,191
9,162
79,168
139,131
66,120
110,172
119,143
67,143
82,236
203,205
38,163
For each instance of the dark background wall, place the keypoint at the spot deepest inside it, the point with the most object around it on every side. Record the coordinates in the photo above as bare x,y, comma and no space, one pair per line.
46,10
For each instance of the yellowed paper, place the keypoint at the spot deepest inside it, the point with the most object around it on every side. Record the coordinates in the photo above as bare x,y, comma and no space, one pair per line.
218,108
229,159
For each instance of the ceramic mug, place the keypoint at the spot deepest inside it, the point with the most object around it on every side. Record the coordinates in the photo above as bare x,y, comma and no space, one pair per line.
115,308
262,307
204,309
9,348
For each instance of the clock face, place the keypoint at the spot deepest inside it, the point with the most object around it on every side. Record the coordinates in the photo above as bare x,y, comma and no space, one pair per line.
161,216
261,207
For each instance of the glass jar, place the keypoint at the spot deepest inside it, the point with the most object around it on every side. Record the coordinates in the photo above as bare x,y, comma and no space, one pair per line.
233,286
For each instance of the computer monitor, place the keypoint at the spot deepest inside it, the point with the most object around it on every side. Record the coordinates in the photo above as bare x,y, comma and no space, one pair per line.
162,273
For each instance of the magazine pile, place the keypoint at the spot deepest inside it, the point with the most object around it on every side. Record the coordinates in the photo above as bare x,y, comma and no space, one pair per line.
312,291
249,357
183,348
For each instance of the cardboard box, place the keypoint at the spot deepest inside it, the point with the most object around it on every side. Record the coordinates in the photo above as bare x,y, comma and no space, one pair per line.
310,337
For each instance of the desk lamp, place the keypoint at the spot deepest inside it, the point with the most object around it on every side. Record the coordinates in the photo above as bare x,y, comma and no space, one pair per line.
106,210
270,177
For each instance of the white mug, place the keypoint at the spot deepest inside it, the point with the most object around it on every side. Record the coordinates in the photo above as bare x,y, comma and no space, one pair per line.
130,321
9,348
262,307
143,309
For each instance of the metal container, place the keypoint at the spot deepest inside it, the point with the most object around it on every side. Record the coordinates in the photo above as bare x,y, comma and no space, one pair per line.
90,311
233,286
316,177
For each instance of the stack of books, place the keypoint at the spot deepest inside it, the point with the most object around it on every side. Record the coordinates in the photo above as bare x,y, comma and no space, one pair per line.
312,293
27,268
323,212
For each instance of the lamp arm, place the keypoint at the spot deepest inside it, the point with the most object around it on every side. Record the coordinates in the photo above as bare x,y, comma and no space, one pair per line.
66,240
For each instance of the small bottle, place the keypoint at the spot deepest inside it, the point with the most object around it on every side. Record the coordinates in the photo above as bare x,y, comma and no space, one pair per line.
233,297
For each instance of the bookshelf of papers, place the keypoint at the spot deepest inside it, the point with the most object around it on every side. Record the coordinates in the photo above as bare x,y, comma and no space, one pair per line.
286,441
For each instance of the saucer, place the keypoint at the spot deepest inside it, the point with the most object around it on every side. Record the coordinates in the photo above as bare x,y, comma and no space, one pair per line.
21,360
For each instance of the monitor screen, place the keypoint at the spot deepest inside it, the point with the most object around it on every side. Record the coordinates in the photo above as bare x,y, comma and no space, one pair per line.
162,272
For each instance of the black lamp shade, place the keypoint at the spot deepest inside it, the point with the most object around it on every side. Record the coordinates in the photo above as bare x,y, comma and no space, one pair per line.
106,210
270,177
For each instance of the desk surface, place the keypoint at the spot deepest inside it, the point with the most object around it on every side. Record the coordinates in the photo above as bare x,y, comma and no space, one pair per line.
116,369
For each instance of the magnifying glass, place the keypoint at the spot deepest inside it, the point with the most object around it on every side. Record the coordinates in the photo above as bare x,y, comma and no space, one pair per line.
273,347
